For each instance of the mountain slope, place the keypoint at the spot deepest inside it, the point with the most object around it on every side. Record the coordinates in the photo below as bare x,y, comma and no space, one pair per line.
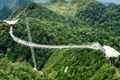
68,8
49,27
79,64
38,16
18,71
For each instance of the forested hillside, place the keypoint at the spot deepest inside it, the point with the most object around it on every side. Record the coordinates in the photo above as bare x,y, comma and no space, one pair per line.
91,22
68,8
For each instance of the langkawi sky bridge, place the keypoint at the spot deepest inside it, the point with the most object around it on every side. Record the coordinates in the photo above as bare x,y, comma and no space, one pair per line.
107,50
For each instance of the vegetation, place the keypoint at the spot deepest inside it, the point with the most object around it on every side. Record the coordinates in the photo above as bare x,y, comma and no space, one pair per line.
68,8
18,71
78,64
93,22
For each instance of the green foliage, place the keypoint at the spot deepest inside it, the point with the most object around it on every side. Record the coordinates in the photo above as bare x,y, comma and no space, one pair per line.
99,14
5,40
94,12
67,8
93,23
39,12
18,71
82,65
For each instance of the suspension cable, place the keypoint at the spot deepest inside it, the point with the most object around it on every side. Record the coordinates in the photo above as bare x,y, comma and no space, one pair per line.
13,11
28,29
32,45
22,12
31,48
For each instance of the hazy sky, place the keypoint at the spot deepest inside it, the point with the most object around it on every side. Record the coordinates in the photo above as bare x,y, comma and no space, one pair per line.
43,1
109,1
